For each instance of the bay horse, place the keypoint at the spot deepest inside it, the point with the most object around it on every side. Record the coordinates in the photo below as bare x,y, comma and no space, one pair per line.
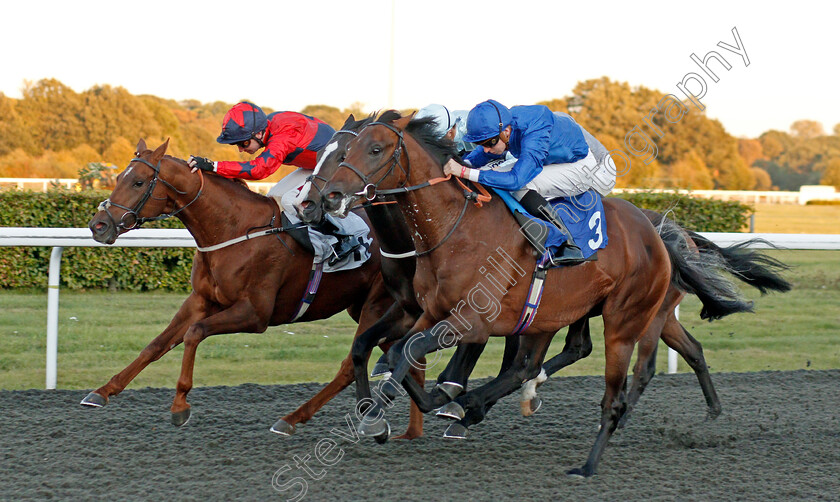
398,273
750,266
244,287
627,284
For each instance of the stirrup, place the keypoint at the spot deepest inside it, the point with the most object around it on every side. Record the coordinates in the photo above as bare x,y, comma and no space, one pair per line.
346,245
568,255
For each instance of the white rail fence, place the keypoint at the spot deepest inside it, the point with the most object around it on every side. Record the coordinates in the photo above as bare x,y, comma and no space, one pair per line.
59,238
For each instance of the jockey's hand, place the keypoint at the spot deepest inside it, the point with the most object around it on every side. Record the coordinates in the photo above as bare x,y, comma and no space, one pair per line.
202,163
452,167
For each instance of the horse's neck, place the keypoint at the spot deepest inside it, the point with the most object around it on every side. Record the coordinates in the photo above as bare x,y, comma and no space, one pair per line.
432,212
390,225
221,212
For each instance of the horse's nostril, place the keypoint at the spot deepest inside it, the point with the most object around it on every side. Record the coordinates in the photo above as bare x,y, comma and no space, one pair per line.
306,204
99,226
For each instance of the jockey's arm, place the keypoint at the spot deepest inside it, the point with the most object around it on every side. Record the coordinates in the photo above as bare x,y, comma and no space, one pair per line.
534,150
277,148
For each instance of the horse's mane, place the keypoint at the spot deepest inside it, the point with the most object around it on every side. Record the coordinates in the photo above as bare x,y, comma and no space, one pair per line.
424,131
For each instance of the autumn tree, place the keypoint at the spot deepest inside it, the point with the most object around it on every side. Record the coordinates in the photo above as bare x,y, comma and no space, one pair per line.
807,129
750,150
832,173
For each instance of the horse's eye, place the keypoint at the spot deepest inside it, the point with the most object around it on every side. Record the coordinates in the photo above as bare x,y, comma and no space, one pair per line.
138,183
375,150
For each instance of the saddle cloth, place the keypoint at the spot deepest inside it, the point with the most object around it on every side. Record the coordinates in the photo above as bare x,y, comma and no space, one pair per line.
582,214
322,245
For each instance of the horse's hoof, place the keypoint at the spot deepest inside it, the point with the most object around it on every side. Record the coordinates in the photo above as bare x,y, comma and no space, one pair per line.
528,408
380,369
451,389
283,428
455,431
374,429
713,413
383,438
579,473
451,410
94,400
181,418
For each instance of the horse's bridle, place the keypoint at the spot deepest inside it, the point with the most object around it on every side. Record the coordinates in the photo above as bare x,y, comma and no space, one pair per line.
369,191
135,211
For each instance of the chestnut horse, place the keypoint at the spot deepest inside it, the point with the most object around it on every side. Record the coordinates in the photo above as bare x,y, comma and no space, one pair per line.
244,287
627,284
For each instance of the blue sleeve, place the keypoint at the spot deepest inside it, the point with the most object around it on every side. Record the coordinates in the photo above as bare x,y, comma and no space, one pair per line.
478,157
536,139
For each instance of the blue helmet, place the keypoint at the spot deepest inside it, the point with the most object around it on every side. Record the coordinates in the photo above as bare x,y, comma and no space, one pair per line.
242,122
486,120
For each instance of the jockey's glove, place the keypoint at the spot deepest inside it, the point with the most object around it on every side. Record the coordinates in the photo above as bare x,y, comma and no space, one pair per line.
202,163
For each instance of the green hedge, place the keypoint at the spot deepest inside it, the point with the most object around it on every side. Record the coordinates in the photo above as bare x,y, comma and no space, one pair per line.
700,215
140,269
136,269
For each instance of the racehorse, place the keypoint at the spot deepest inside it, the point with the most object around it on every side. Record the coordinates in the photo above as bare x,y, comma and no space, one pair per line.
626,285
243,287
398,266
749,266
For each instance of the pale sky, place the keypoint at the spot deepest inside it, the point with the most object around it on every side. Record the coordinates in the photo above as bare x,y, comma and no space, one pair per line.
286,55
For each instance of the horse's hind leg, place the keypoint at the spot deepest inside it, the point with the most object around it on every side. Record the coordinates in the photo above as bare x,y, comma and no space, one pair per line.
346,373
675,336
578,345
192,310
645,367
242,316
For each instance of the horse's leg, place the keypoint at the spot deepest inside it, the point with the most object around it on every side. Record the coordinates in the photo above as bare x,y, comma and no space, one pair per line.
525,365
621,330
675,336
242,316
192,310
415,416
453,409
345,376
407,353
578,345
645,367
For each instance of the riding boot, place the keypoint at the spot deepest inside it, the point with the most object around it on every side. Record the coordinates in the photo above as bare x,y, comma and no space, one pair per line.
569,253
346,245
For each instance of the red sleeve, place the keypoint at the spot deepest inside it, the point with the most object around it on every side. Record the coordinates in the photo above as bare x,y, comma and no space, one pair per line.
282,141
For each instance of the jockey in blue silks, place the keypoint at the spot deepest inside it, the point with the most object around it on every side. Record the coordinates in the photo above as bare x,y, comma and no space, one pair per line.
553,159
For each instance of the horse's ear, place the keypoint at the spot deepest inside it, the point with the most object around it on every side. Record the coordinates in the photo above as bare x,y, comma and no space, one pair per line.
141,147
350,120
402,123
159,152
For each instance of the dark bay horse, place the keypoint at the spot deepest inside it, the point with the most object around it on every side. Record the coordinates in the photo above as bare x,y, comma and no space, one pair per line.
627,284
244,287
398,267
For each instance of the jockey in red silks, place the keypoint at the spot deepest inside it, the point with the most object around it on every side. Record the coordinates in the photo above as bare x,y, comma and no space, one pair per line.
288,138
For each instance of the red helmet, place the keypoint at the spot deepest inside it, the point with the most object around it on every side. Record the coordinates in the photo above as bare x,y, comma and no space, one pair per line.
242,122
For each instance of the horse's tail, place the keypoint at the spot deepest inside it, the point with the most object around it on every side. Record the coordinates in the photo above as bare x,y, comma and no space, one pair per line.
697,271
751,267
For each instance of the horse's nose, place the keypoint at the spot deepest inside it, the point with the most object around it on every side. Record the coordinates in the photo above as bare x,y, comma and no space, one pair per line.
102,230
308,211
333,200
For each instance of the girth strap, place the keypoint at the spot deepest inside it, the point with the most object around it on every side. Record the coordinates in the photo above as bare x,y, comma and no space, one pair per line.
315,276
